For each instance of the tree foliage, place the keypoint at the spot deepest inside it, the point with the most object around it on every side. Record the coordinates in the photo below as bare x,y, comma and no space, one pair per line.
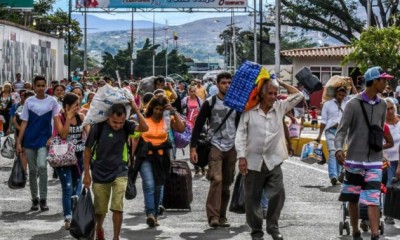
143,64
377,47
46,21
339,19
245,45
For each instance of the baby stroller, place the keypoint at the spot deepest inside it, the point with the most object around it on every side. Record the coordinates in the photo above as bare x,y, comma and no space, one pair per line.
363,211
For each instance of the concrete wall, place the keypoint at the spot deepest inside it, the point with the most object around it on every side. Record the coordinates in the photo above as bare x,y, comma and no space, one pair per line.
30,53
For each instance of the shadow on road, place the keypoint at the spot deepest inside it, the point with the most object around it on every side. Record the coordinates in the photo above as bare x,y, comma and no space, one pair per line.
11,216
60,234
329,189
215,234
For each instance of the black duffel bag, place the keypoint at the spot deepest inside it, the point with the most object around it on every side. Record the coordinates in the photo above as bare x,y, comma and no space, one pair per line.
392,200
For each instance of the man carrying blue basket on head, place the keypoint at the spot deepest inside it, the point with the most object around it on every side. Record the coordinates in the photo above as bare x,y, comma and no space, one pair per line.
362,125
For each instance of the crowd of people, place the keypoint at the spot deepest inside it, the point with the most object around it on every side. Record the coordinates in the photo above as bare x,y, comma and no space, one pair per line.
257,140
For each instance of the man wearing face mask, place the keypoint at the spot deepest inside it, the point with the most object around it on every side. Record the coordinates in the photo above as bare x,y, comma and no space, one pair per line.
261,148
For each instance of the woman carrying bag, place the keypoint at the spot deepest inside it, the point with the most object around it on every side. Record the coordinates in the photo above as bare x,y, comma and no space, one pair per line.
69,127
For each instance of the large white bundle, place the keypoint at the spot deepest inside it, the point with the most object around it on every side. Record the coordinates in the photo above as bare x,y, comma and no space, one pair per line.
146,85
102,101
334,83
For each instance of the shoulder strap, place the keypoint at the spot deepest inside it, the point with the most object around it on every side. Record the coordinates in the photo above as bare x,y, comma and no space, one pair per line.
364,113
222,122
99,130
213,101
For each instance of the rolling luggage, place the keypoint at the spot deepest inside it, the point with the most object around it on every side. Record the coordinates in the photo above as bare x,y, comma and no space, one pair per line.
178,187
392,200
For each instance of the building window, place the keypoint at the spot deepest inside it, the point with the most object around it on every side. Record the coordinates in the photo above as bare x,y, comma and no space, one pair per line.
324,73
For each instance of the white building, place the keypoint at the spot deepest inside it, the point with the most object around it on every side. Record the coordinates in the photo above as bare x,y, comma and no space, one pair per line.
29,52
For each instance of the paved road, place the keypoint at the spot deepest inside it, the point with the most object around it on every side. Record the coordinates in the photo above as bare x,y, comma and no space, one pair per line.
311,212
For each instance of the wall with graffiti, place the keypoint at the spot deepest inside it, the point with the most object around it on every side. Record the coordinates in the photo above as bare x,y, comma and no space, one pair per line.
30,53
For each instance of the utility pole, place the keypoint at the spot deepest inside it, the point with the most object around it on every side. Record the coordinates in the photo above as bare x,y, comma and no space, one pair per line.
261,29
154,36
369,12
255,31
85,45
277,37
132,47
69,39
166,47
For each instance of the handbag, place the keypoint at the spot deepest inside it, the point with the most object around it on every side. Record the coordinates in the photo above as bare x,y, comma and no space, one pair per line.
7,148
61,153
375,135
204,144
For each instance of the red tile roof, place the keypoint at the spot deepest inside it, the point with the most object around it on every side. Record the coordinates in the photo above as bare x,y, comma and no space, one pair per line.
334,51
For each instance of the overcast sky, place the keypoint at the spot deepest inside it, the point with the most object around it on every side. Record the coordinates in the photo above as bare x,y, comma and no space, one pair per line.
173,18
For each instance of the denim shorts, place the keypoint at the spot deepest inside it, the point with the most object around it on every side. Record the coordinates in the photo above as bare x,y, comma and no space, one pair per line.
362,185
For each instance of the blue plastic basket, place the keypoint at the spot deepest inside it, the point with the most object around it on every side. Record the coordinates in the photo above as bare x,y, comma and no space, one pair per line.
242,84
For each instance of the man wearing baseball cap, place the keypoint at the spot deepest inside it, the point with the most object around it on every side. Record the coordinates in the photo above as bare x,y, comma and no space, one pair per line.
363,162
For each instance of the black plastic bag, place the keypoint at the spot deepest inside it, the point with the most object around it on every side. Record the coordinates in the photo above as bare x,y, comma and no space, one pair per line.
18,177
392,200
203,151
130,192
83,218
237,201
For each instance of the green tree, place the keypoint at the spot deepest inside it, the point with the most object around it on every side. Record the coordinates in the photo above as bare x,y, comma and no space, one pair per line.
245,45
377,47
337,18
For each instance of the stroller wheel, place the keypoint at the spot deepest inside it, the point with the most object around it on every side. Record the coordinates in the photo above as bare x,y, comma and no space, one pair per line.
347,227
382,228
341,228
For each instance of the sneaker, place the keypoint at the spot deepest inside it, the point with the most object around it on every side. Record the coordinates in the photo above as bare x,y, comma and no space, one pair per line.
151,221
197,173
375,237
364,225
357,236
223,222
214,222
161,210
333,181
67,224
389,221
203,172
100,234
35,205
43,205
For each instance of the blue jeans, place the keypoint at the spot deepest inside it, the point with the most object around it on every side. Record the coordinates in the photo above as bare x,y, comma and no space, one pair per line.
334,168
264,200
151,192
391,172
71,185
37,164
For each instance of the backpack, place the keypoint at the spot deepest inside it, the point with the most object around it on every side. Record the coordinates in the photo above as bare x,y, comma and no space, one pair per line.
183,139
100,127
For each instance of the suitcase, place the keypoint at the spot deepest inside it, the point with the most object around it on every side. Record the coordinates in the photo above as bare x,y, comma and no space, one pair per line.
392,200
310,82
178,187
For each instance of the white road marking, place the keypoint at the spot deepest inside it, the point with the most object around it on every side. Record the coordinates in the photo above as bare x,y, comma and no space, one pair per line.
291,161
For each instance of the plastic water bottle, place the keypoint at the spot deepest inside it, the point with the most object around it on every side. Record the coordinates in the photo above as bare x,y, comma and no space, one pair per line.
167,119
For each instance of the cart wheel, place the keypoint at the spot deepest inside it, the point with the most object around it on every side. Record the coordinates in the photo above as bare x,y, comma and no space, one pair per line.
382,228
341,228
347,227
